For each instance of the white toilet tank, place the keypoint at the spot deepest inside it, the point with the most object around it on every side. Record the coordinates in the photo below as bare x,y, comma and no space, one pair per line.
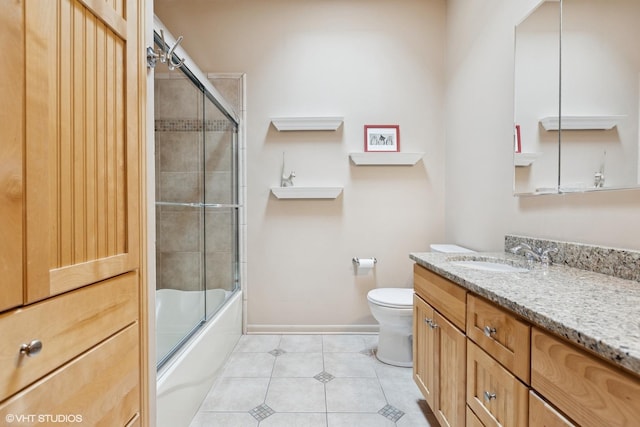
449,249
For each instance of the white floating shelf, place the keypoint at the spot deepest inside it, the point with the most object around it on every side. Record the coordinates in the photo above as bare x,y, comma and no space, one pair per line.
384,158
306,192
306,123
525,159
581,122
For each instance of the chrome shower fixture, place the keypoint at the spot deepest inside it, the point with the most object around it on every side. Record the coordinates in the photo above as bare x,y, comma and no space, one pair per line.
164,54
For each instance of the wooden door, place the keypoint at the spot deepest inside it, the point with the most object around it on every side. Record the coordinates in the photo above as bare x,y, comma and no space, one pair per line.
83,139
11,153
451,358
424,366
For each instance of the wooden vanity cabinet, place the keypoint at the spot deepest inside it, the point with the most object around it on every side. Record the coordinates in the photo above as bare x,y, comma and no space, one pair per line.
439,345
516,374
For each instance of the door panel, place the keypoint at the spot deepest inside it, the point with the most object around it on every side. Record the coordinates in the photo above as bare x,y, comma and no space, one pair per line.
451,350
82,144
424,365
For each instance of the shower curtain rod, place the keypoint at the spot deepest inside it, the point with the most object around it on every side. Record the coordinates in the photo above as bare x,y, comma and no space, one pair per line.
191,70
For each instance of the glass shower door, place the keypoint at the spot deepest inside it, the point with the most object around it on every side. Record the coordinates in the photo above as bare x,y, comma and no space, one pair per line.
220,152
179,136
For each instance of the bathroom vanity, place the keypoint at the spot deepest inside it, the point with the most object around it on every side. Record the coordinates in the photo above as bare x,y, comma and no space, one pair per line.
525,345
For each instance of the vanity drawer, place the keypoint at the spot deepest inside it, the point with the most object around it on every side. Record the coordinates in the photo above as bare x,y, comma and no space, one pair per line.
501,334
496,396
443,295
98,388
541,414
587,389
66,325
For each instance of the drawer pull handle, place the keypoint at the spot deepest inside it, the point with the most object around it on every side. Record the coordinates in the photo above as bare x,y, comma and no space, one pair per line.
31,349
488,331
489,396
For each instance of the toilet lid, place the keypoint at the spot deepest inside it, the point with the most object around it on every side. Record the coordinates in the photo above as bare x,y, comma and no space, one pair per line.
392,297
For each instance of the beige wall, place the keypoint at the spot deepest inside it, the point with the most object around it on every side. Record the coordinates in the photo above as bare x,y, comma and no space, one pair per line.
373,62
480,207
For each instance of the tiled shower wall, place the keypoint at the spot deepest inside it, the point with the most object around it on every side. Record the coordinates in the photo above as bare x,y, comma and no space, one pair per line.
193,159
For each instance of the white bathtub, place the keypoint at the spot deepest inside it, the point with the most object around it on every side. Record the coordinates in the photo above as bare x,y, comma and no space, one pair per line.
179,312
184,381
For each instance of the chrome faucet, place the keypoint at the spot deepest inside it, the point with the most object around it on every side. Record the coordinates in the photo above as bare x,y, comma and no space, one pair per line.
535,254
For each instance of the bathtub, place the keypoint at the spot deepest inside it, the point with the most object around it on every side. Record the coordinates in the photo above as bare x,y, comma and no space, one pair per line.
184,380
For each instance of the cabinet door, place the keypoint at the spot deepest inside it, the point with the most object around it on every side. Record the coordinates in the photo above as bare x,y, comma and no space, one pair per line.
450,359
83,138
11,153
424,373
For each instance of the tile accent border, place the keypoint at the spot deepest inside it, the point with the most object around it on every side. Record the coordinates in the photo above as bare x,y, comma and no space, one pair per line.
621,263
192,125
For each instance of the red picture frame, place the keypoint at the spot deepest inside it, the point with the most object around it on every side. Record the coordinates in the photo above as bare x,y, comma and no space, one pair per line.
381,138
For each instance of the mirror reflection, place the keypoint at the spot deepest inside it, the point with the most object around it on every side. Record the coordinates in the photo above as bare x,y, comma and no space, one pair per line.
600,94
537,90
594,144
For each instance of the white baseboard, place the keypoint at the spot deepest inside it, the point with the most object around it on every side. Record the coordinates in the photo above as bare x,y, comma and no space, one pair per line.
313,329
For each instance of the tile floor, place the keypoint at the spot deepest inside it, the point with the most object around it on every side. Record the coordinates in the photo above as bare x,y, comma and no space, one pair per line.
312,381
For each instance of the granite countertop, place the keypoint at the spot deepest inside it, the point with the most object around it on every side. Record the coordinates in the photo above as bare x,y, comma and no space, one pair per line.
593,310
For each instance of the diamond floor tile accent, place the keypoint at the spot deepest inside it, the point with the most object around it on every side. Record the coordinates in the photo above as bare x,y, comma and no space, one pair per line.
261,412
324,377
277,352
391,412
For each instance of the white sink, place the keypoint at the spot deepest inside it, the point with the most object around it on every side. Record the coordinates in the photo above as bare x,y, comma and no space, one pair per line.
490,265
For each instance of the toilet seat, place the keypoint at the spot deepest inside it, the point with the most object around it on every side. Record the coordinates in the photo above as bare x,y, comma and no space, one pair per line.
392,297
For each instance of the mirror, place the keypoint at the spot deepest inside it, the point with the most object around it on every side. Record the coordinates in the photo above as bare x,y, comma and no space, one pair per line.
594,144
537,95
600,94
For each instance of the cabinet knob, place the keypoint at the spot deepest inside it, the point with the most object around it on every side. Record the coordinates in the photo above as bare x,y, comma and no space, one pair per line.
433,325
488,331
489,396
31,349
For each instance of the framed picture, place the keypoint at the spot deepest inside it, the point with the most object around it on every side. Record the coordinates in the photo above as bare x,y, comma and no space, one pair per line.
381,138
517,140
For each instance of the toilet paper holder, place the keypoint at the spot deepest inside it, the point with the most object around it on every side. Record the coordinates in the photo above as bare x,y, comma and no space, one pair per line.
356,260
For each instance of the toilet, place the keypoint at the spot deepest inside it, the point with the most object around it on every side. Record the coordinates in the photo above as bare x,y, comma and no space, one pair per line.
393,309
